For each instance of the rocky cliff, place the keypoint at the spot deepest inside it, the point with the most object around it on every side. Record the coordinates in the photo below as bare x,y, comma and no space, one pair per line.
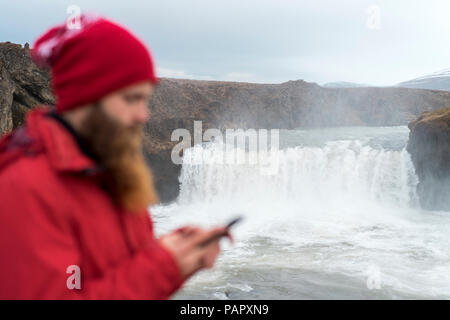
22,85
429,146
289,105
177,103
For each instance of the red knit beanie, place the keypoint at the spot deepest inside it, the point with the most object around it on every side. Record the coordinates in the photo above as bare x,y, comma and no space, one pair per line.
91,61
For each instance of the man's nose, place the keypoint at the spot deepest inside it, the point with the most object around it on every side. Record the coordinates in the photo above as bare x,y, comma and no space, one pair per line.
142,114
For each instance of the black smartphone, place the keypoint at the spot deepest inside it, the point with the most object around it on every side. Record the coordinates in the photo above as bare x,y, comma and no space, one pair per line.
220,235
233,222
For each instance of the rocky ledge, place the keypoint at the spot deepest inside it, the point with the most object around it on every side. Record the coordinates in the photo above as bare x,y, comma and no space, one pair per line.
429,146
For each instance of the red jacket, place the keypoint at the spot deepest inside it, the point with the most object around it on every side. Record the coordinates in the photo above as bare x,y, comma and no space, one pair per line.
54,214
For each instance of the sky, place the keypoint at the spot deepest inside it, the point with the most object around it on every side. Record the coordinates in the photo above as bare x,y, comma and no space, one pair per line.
376,42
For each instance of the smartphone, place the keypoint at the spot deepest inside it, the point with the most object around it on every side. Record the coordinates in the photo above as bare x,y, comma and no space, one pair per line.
233,222
220,235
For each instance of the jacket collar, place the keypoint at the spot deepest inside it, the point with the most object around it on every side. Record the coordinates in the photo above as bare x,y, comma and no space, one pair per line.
58,142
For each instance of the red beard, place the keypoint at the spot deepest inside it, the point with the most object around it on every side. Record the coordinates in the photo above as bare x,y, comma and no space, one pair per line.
119,151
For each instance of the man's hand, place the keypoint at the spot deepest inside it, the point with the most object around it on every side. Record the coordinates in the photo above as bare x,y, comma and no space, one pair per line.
184,244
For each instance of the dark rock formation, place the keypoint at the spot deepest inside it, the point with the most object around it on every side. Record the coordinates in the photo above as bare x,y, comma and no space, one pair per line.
22,85
289,105
429,146
177,103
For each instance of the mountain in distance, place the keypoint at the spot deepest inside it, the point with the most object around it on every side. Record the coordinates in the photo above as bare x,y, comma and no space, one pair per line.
435,81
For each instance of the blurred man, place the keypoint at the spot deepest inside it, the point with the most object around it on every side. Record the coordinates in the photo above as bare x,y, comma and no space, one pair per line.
74,185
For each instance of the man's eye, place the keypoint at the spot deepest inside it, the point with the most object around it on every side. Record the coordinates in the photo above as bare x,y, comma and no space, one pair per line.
131,99
134,99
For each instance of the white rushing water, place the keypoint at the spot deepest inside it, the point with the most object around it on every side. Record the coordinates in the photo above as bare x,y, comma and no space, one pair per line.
339,219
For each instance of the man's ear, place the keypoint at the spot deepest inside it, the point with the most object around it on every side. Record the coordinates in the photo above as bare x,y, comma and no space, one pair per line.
76,117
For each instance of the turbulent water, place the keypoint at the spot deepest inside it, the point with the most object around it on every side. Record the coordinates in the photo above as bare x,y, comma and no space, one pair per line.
337,219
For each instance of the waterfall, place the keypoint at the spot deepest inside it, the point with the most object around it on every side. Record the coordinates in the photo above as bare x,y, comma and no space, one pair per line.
336,173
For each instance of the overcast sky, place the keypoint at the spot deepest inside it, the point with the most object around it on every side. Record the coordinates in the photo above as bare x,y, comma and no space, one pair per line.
379,42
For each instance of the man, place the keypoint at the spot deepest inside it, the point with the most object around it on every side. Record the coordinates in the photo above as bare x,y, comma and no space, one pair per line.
74,186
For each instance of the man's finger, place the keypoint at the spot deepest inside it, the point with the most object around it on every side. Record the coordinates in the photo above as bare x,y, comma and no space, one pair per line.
202,253
229,236
208,237
188,231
